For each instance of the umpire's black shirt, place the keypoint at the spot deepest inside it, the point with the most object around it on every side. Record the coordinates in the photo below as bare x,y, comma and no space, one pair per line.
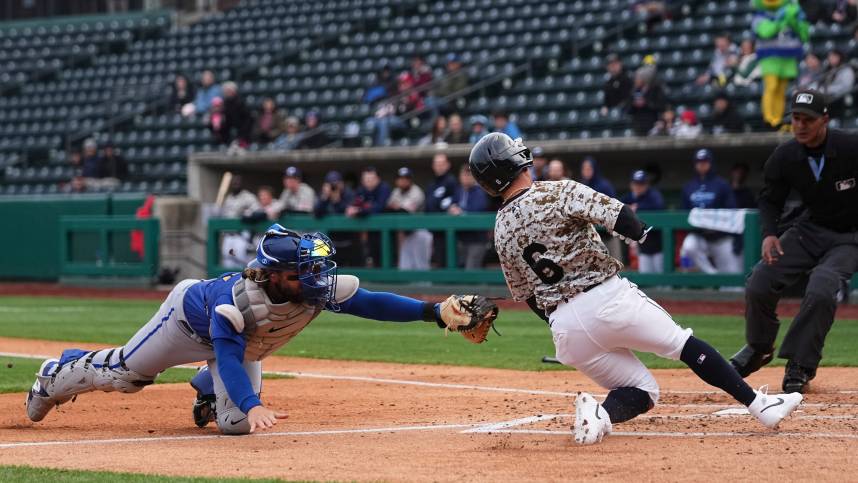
832,202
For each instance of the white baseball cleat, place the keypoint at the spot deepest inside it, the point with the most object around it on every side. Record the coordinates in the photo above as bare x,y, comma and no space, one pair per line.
771,409
39,402
591,420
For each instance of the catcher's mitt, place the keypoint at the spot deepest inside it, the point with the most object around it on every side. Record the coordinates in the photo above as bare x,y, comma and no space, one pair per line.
470,315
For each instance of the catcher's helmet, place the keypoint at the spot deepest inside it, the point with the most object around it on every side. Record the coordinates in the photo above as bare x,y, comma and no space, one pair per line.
308,255
496,160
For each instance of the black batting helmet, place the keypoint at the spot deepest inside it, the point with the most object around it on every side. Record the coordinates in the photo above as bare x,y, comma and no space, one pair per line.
496,160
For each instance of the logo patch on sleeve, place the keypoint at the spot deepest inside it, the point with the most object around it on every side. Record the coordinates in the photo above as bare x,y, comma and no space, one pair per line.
845,184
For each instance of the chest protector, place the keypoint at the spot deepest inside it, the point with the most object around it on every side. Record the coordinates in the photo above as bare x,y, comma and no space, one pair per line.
267,326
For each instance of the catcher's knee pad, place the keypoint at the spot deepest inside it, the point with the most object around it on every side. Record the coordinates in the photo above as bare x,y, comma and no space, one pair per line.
232,421
77,375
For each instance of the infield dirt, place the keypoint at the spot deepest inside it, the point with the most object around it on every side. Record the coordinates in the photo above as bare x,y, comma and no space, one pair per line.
393,422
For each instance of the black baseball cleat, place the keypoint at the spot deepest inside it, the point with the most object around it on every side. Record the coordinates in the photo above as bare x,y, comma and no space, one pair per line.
204,410
748,361
796,377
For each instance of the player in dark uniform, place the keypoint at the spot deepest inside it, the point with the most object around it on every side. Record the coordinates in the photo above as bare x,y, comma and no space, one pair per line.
820,165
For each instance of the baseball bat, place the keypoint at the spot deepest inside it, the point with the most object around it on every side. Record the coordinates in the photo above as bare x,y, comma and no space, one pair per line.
224,187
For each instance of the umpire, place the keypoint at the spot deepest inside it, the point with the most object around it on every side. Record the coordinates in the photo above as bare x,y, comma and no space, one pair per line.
821,165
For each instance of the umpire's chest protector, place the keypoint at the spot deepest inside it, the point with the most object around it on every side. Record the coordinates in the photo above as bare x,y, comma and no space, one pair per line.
268,326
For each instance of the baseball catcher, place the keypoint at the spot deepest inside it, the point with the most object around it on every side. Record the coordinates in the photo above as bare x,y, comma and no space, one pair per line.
552,257
235,321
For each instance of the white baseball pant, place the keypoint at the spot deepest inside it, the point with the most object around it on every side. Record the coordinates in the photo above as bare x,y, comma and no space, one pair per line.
699,250
167,341
596,331
653,263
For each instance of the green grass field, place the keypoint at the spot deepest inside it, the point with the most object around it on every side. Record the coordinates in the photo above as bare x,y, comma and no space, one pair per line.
26,474
524,341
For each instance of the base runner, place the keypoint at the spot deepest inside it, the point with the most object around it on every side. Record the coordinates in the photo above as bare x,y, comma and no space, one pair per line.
552,257
236,320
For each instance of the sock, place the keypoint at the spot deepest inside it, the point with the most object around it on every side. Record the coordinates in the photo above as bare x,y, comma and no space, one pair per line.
710,366
624,403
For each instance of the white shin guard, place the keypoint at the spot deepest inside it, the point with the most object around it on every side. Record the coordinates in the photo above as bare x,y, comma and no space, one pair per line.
81,375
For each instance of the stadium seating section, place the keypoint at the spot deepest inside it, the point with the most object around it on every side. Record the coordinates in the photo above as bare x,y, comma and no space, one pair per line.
107,77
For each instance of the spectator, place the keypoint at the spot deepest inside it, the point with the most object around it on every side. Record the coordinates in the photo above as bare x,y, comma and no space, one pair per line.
724,59
747,69
382,87
207,92
438,133
738,178
269,122
113,164
725,118
456,133
442,189
181,92
297,196
239,122
76,160
236,247
91,164
591,177
845,11
415,247
421,73
666,125
557,171
648,100
478,128
291,136
76,185
811,72
643,197
217,122
688,128
238,200
538,171
386,119
837,82
744,199
618,87
266,208
334,198
370,198
708,190
502,123
455,80
314,136
439,198
470,198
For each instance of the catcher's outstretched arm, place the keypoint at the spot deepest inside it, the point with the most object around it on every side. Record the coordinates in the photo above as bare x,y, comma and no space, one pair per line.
389,307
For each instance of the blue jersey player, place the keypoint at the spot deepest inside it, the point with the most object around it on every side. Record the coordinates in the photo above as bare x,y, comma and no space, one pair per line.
232,322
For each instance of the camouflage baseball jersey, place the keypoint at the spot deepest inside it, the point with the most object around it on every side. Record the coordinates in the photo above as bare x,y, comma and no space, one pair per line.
547,244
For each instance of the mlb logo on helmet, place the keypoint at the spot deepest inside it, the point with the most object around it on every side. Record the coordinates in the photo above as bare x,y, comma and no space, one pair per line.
804,98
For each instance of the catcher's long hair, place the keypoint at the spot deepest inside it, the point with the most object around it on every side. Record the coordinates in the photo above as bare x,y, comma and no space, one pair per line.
258,275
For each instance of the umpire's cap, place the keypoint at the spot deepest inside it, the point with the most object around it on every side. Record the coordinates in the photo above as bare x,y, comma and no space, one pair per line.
810,102
496,160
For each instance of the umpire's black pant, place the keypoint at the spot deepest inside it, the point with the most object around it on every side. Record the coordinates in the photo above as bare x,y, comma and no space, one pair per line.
830,257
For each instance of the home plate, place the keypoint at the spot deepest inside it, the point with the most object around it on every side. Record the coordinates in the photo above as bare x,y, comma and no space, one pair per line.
731,412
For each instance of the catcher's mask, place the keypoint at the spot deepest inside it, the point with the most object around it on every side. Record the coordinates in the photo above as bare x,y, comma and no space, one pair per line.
308,255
